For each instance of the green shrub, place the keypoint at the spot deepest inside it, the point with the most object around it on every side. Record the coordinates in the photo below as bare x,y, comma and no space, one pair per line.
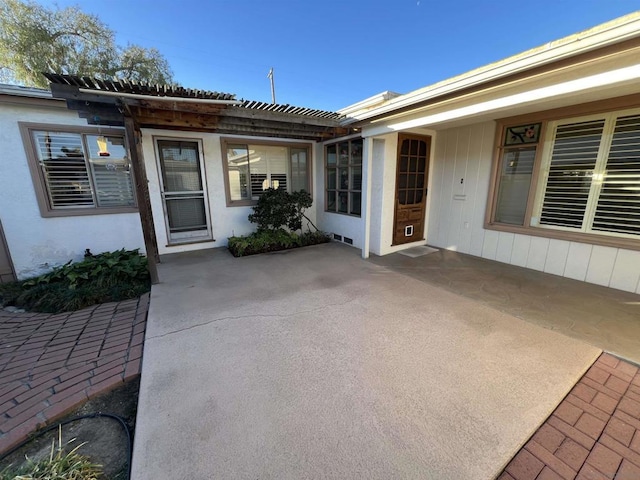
106,277
277,209
272,241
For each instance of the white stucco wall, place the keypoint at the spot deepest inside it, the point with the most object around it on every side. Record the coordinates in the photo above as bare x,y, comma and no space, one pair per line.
225,221
456,219
35,243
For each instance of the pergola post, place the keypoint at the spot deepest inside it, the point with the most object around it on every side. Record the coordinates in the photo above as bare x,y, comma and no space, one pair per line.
134,140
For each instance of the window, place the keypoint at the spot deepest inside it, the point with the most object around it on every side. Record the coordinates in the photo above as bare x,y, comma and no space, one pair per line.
253,168
78,173
588,178
343,181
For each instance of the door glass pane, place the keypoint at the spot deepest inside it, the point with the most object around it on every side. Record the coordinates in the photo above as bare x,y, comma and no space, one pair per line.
404,164
344,178
180,166
356,151
186,214
413,164
343,153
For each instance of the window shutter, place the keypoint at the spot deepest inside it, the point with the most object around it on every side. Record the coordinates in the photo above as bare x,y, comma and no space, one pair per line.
113,184
618,208
62,159
573,160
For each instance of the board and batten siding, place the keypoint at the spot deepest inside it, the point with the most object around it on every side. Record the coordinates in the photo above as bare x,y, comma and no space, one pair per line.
460,186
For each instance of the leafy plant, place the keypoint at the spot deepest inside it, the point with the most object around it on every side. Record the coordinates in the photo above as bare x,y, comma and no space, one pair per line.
277,209
273,240
60,465
110,276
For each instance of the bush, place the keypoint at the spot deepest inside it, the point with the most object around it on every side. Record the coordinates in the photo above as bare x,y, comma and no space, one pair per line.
272,241
278,208
110,276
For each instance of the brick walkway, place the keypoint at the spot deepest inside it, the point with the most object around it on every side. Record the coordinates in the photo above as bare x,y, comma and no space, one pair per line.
50,364
594,434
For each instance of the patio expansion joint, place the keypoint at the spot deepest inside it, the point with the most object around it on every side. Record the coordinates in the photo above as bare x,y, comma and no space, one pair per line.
240,317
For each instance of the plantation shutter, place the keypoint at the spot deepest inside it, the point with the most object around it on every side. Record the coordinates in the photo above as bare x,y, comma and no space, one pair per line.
257,170
573,161
61,157
278,160
618,208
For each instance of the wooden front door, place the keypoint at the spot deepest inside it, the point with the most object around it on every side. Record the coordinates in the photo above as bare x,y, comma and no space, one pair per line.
412,174
6,267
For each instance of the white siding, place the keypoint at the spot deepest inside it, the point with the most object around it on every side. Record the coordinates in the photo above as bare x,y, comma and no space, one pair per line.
36,244
457,211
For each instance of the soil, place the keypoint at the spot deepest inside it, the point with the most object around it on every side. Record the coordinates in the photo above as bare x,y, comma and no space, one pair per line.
106,440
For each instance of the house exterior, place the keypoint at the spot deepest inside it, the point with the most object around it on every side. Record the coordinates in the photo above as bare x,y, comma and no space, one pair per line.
532,161
36,237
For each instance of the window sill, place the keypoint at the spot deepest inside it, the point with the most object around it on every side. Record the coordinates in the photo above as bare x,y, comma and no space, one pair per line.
87,211
345,214
590,238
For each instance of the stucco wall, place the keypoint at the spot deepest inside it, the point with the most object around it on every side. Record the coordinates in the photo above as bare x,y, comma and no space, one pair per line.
456,219
225,221
36,243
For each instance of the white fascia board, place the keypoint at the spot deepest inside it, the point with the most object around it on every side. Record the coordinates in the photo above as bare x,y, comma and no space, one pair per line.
593,39
369,102
607,79
19,91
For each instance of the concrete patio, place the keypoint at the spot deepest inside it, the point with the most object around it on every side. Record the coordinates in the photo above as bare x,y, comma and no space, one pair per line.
315,364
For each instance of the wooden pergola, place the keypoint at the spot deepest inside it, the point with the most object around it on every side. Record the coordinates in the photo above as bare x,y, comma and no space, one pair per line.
135,106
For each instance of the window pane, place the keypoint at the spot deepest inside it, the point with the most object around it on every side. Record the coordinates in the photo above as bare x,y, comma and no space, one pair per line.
343,153
61,156
572,165
342,202
238,168
114,146
112,180
356,200
268,168
332,176
618,208
356,152
332,157
356,178
513,190
299,170
331,201
344,178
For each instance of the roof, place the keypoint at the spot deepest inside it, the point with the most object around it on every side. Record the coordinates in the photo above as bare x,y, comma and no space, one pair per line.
129,88
609,33
136,88
20,91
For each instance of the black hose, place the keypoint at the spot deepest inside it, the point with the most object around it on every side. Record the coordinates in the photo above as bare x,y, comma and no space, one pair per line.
120,420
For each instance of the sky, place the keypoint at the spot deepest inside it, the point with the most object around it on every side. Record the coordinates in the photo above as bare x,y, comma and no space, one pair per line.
328,54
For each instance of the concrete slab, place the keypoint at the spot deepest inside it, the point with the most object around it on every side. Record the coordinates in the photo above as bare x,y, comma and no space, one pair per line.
316,364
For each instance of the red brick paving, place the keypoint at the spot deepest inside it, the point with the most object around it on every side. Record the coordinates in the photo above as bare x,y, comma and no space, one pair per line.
50,364
594,434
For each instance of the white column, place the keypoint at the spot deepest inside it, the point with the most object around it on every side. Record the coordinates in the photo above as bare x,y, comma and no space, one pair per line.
367,166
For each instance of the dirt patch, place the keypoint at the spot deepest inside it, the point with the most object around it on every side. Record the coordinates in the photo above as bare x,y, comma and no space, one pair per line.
106,439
